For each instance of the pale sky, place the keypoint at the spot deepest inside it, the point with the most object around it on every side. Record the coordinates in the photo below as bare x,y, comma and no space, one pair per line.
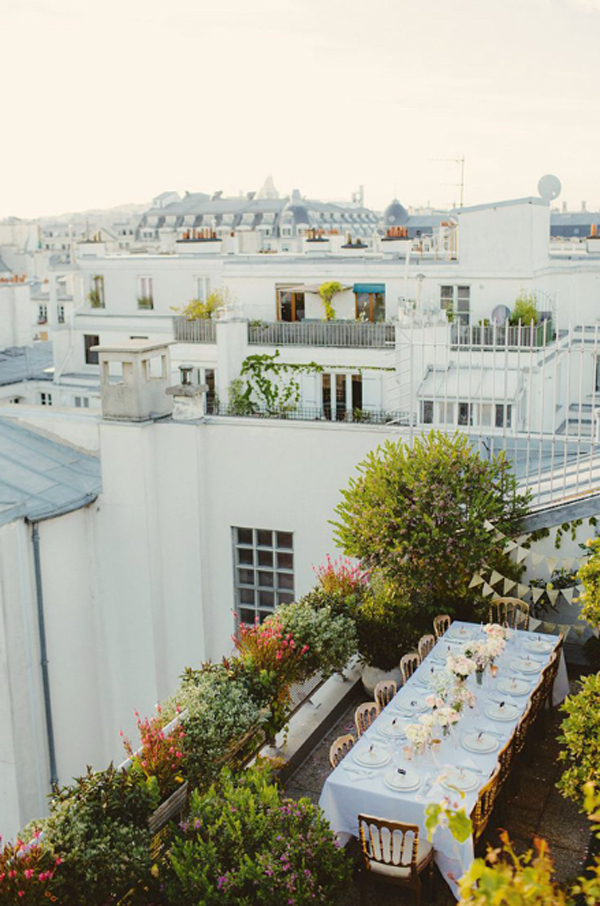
107,102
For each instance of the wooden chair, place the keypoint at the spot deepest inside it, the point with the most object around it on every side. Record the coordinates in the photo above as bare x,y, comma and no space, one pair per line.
522,730
426,644
408,664
364,716
393,852
441,623
384,693
505,760
513,611
340,748
483,808
549,675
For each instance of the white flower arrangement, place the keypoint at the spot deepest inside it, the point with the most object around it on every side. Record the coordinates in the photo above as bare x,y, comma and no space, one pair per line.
460,697
460,665
495,631
494,647
419,735
446,716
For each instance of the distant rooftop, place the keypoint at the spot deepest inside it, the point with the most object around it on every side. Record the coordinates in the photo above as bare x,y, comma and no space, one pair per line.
42,477
25,363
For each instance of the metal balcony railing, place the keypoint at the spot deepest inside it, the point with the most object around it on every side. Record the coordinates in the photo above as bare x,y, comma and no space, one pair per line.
200,331
349,334
519,336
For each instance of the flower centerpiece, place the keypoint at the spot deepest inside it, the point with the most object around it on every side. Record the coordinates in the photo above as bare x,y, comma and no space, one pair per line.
495,631
446,717
461,697
460,666
420,734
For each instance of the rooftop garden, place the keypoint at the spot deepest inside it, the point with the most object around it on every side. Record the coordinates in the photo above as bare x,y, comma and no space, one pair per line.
193,816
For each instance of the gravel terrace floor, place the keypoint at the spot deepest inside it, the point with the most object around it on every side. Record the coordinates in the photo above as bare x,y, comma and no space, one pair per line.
535,809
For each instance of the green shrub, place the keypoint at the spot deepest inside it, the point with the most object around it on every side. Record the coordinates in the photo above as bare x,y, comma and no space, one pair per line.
330,638
589,576
524,310
419,515
385,625
327,291
203,310
581,739
244,845
98,828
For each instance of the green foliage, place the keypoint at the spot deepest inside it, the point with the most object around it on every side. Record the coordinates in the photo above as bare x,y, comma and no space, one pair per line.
98,828
329,637
587,888
589,576
418,515
244,845
507,878
385,624
239,400
581,739
455,819
272,385
199,310
524,310
145,302
327,291
560,578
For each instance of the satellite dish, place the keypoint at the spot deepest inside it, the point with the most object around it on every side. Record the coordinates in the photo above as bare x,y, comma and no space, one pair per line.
500,314
549,187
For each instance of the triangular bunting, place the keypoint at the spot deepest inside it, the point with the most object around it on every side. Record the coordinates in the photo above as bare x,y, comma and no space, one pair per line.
551,563
567,562
567,594
486,590
495,577
488,525
536,559
536,593
508,584
553,594
522,590
579,630
476,580
498,537
548,627
533,623
509,546
565,629
521,554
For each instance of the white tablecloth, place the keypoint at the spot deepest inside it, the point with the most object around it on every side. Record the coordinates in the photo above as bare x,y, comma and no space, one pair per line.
345,795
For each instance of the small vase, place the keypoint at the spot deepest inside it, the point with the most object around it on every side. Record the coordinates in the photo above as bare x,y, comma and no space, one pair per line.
479,677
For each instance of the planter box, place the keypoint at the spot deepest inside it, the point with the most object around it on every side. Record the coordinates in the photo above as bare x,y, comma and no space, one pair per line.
169,809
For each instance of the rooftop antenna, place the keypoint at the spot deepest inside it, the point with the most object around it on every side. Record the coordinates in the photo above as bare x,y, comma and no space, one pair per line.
461,184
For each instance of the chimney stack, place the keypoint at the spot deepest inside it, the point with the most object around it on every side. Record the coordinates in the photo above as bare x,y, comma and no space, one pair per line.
188,397
133,380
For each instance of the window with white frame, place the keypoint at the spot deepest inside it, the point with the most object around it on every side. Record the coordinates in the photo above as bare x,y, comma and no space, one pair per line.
202,288
427,412
45,399
263,571
503,415
60,314
456,301
82,402
96,295
42,314
465,414
145,292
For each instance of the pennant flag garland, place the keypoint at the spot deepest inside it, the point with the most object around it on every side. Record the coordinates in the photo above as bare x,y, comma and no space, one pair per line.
495,577
509,546
579,630
567,594
551,563
476,580
567,562
488,525
487,590
522,589
536,593
533,623
536,559
553,594
521,554
508,584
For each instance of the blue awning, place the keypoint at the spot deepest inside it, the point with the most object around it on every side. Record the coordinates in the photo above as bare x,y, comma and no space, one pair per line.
369,287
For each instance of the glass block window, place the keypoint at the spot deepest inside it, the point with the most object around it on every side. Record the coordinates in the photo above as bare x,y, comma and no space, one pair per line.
263,571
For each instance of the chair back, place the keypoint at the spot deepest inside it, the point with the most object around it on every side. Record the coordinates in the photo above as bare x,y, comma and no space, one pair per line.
387,842
513,611
522,729
484,806
364,716
384,693
426,643
505,759
408,664
340,748
441,623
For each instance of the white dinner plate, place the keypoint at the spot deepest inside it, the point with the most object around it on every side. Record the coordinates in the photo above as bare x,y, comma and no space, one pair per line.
462,779
494,711
480,742
402,782
525,665
513,686
410,706
538,646
442,650
458,634
394,728
374,756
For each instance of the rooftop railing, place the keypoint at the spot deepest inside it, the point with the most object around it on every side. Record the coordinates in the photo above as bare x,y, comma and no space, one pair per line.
318,414
492,335
349,334
202,330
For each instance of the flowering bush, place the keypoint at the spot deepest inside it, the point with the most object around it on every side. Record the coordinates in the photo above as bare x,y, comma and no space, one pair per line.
328,639
244,845
581,739
222,717
589,576
384,624
419,514
98,828
26,872
342,578
160,756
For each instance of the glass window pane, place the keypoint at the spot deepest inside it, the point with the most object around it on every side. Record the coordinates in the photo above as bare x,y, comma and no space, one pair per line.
265,539
266,599
447,292
284,539
463,292
246,576
285,580
245,555
263,614
285,561
265,558
244,536
285,598
379,307
246,616
247,596
265,580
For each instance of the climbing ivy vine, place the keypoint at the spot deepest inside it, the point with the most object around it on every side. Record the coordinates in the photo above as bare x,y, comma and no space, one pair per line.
271,385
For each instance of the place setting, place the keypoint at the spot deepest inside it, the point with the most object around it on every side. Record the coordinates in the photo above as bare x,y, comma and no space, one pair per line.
525,665
481,742
409,706
501,710
535,644
514,686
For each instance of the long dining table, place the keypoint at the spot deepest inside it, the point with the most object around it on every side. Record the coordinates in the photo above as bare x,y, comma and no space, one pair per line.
365,781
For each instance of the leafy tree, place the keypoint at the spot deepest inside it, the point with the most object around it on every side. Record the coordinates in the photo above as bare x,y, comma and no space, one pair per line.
589,576
327,291
524,311
581,739
199,310
419,515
